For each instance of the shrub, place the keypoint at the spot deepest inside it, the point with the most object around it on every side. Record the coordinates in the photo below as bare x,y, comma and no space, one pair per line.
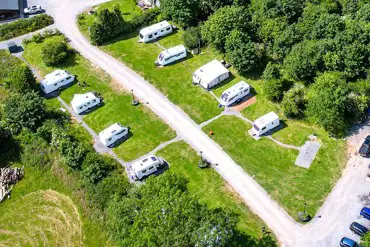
22,26
24,110
271,72
145,19
20,79
54,52
191,37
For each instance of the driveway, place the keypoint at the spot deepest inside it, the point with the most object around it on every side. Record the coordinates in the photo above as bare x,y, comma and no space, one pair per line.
341,207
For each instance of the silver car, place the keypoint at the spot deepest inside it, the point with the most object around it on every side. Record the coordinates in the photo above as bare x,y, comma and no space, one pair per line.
34,9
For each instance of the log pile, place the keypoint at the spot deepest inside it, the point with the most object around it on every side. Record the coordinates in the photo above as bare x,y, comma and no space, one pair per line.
8,178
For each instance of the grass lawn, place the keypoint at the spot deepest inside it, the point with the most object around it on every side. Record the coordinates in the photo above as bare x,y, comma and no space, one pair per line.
148,131
209,187
43,211
273,166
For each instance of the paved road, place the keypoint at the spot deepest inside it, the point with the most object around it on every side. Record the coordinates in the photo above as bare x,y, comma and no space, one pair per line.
338,211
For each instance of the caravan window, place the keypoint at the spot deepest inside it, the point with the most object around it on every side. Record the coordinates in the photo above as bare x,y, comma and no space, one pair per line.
155,33
141,36
143,171
154,158
161,56
150,36
109,139
264,128
246,90
55,84
150,168
256,127
168,29
88,103
69,77
162,31
80,107
94,100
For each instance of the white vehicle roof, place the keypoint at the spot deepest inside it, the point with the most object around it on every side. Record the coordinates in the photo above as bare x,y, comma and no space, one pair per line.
110,131
174,50
240,86
55,77
211,71
80,99
145,163
264,120
148,30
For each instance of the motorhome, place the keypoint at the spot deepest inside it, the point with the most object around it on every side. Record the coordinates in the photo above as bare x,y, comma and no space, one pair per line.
265,123
56,80
146,166
155,31
210,75
111,135
234,93
171,55
83,102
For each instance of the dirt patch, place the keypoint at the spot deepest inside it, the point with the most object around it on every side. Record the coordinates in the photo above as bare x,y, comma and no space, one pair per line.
245,104
116,85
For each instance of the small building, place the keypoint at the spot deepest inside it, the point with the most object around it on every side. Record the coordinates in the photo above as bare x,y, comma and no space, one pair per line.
56,80
146,167
10,9
114,133
83,102
264,124
155,31
234,93
210,75
171,55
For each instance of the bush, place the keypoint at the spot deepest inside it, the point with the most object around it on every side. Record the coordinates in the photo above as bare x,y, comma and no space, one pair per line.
20,79
95,168
24,111
22,26
274,89
293,103
54,52
145,19
271,72
191,37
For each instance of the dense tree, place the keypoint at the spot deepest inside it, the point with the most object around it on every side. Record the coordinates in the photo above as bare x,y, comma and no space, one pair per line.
183,12
305,60
192,37
293,103
358,100
241,52
283,43
363,14
327,26
109,24
274,89
271,72
219,26
54,52
25,110
327,102
95,168
170,217
356,59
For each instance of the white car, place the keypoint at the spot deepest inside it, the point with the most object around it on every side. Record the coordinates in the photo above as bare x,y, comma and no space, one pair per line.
34,9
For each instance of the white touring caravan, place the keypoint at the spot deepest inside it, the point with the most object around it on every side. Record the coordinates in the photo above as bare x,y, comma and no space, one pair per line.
56,80
264,124
84,102
210,75
155,31
171,55
146,166
112,134
234,93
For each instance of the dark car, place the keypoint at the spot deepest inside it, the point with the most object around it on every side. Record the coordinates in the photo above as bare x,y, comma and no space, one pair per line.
347,242
358,229
365,148
12,47
365,212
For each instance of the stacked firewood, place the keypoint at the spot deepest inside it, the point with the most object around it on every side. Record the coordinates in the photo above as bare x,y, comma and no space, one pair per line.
9,176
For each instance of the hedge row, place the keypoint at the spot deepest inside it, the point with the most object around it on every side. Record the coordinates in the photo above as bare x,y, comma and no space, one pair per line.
23,26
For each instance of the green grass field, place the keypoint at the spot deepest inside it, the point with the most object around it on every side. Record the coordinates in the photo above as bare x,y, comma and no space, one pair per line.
148,131
209,187
273,166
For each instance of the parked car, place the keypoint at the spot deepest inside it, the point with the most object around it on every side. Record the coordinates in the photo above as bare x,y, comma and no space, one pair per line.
347,242
358,229
365,212
34,9
365,148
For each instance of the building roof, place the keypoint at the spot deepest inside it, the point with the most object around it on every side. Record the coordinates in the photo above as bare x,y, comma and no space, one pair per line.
79,99
55,76
110,131
211,71
144,163
240,86
174,50
9,4
148,30
264,120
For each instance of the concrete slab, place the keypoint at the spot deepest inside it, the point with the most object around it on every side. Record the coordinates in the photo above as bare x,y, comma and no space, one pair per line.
307,154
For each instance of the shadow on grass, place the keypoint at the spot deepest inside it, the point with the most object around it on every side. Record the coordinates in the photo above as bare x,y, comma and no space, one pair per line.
281,126
122,140
231,77
10,151
121,38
